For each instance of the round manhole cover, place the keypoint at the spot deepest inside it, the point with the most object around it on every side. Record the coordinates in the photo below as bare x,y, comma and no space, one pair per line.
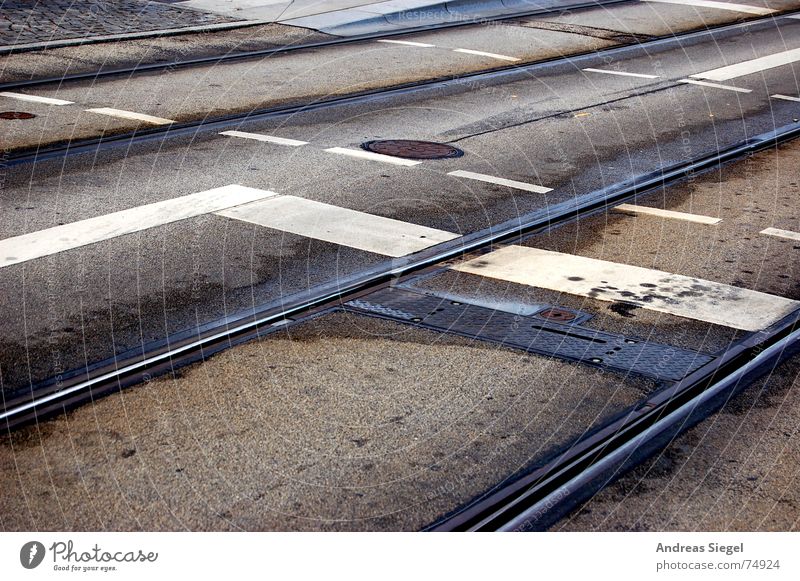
16,115
411,149
557,315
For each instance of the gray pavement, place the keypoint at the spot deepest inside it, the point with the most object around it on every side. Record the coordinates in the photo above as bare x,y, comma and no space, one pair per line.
349,423
564,130
191,94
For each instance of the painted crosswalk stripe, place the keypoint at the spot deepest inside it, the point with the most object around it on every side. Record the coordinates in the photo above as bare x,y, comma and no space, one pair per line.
674,294
634,209
35,99
361,154
500,181
131,115
77,234
408,43
788,234
501,57
337,225
786,98
746,8
266,138
752,66
621,73
714,85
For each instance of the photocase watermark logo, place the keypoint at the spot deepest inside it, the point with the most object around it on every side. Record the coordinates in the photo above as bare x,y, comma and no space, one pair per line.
31,554
66,556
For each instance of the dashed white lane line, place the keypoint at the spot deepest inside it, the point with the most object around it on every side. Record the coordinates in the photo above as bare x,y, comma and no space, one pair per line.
408,43
337,225
714,85
786,98
500,181
621,73
373,156
35,99
77,234
131,115
678,295
266,138
634,209
752,66
788,234
501,57
721,5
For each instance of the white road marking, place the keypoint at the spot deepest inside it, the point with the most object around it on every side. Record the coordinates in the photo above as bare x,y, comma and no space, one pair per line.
721,5
786,98
35,99
634,209
788,234
373,156
501,57
267,138
664,292
752,66
623,74
408,43
714,85
501,181
339,225
77,234
131,115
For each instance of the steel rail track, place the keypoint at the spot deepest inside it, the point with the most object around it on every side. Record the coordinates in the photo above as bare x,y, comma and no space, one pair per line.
69,390
190,128
536,501
267,52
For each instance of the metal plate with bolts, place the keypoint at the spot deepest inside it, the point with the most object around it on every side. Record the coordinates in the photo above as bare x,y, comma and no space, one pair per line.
16,115
411,149
533,334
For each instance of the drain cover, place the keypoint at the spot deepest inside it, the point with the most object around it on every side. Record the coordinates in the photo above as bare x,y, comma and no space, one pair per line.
16,115
533,334
411,149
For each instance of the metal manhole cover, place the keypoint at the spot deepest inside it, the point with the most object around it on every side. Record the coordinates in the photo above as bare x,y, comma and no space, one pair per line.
411,149
557,315
16,115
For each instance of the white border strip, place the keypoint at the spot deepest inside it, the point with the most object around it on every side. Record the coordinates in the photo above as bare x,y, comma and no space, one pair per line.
752,66
76,234
35,99
674,294
714,85
621,73
501,57
786,98
746,8
266,138
646,210
500,181
361,154
337,225
777,232
131,115
407,43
